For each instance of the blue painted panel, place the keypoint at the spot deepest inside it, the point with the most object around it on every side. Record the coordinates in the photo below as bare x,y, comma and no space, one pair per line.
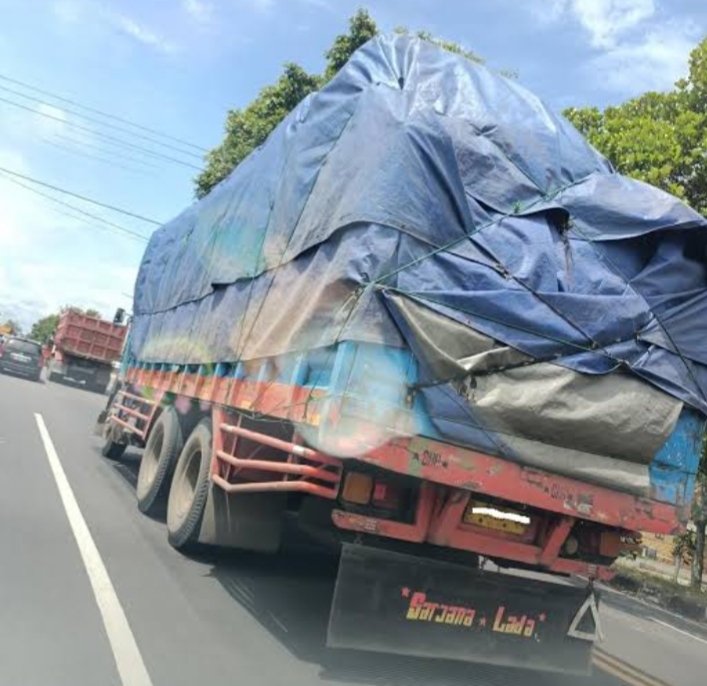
674,468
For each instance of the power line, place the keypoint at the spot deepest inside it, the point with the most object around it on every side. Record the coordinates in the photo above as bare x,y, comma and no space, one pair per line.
78,217
109,225
100,134
82,197
103,114
98,158
103,123
92,146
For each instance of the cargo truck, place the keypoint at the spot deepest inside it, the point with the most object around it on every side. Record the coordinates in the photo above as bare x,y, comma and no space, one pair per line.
431,324
84,349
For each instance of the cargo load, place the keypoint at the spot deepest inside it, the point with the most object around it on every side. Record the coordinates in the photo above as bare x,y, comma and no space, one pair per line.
428,324
557,309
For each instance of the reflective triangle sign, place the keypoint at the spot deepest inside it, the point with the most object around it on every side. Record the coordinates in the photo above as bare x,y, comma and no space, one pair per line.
586,624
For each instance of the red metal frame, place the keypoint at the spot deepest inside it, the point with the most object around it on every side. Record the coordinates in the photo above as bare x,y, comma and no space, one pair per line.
226,465
440,522
439,462
149,407
416,532
448,475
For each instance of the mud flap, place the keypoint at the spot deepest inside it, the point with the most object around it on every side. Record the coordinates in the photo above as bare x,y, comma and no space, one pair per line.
249,521
392,603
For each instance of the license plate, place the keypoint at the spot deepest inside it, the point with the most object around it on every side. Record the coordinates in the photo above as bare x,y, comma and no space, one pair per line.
507,520
19,357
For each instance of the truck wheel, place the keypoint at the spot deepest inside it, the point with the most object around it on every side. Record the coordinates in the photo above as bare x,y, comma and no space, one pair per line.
164,446
112,449
190,487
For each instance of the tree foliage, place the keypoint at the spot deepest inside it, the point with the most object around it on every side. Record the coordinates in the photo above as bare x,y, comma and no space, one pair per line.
699,516
362,28
43,329
449,46
660,138
247,128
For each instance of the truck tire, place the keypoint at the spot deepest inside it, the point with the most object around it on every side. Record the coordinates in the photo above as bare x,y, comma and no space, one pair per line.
112,449
54,377
164,445
190,487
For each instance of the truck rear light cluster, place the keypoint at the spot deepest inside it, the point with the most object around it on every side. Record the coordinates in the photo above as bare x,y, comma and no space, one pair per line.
364,490
357,488
386,495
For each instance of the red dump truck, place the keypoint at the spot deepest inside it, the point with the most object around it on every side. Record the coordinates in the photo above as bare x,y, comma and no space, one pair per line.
431,325
84,350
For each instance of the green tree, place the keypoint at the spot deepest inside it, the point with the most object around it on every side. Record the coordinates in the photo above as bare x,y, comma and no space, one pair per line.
248,128
699,516
659,138
362,28
449,46
43,329
89,311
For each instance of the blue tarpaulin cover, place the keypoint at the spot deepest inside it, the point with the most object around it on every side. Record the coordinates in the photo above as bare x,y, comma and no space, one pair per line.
418,186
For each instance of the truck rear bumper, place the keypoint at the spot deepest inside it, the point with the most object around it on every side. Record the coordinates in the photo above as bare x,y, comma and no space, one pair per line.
393,603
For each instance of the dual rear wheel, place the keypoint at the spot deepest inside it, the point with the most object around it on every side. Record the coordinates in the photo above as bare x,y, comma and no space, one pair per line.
174,479
174,476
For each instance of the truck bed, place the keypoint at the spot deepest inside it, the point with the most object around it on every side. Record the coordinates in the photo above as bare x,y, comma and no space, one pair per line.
352,402
89,337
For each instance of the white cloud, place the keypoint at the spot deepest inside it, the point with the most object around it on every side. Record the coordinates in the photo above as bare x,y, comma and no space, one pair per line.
638,46
653,62
199,10
141,33
605,21
48,260
17,209
608,20
68,11
54,122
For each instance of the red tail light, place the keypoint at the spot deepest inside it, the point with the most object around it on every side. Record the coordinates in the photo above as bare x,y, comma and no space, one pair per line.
386,496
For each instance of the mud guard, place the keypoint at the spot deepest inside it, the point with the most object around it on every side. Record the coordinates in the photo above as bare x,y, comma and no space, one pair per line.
393,603
249,521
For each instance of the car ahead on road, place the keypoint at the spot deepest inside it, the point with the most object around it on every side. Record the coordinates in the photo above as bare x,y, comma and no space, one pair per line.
21,356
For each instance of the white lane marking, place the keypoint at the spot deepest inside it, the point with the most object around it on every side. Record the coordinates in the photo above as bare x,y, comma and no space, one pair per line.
680,631
128,659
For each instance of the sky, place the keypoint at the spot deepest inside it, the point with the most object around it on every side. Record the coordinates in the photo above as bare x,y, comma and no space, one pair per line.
177,66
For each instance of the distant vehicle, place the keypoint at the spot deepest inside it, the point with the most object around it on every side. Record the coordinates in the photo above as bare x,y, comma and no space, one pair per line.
84,350
22,357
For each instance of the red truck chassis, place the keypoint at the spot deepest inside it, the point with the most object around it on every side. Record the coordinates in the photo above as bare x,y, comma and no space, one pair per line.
574,527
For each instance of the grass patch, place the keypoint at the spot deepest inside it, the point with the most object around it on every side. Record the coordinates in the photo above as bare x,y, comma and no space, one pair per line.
673,596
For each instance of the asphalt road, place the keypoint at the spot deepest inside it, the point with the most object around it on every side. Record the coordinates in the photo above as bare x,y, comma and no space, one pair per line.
221,618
